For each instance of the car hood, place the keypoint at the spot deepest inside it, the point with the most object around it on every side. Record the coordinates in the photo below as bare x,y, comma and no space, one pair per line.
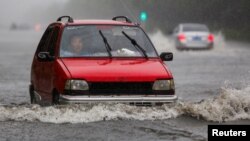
112,70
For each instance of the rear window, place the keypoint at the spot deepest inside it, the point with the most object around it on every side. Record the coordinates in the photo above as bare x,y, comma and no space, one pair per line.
187,28
86,41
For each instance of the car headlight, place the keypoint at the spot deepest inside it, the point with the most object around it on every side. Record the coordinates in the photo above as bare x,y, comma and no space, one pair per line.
163,85
76,85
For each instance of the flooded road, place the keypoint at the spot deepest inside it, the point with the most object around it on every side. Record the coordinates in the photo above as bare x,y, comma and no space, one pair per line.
213,87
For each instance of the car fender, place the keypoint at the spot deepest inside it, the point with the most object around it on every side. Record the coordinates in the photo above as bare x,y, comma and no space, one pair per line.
61,75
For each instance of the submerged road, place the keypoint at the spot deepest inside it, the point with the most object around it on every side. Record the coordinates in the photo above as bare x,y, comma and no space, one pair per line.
216,79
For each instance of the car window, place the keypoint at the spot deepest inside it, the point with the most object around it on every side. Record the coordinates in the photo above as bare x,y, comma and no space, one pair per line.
43,45
53,40
193,27
89,43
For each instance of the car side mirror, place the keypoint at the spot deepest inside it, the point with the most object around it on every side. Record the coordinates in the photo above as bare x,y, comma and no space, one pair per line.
166,56
45,56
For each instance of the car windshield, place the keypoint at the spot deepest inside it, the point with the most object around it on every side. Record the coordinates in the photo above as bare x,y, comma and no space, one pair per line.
104,41
194,27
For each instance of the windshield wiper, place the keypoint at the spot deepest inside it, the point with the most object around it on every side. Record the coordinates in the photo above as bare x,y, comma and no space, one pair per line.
136,45
109,49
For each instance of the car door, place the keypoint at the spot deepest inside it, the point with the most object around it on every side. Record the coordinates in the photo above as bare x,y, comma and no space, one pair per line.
38,66
46,82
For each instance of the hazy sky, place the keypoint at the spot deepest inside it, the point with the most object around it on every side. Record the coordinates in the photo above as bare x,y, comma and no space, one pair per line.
22,10
47,11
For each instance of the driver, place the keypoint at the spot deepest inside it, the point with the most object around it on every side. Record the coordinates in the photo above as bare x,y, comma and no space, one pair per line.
75,46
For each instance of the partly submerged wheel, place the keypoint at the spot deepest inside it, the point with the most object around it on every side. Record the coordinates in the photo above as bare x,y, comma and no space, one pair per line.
32,95
55,97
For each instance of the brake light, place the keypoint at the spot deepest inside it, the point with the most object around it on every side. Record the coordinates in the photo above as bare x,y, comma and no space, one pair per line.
182,37
210,37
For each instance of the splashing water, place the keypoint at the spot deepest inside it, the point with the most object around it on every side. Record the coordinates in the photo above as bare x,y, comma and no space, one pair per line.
84,113
162,43
229,105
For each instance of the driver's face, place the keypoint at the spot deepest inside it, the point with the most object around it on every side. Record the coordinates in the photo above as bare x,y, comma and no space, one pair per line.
76,44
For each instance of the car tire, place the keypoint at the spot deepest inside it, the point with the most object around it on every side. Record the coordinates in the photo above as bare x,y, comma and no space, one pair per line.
32,95
55,98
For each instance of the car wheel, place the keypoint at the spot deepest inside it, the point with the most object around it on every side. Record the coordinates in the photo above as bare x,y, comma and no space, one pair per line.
55,98
32,95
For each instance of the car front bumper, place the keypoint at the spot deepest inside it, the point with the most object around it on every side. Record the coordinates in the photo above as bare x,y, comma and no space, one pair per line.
67,99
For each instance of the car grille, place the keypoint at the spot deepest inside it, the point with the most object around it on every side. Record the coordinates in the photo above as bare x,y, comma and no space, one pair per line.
121,88
125,88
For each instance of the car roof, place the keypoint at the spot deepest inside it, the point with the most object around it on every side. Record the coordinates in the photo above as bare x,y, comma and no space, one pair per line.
70,21
192,24
96,22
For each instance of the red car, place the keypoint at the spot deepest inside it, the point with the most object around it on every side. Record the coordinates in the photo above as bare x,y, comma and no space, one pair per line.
84,61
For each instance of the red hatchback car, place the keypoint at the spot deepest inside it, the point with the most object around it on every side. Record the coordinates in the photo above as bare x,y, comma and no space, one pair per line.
84,61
